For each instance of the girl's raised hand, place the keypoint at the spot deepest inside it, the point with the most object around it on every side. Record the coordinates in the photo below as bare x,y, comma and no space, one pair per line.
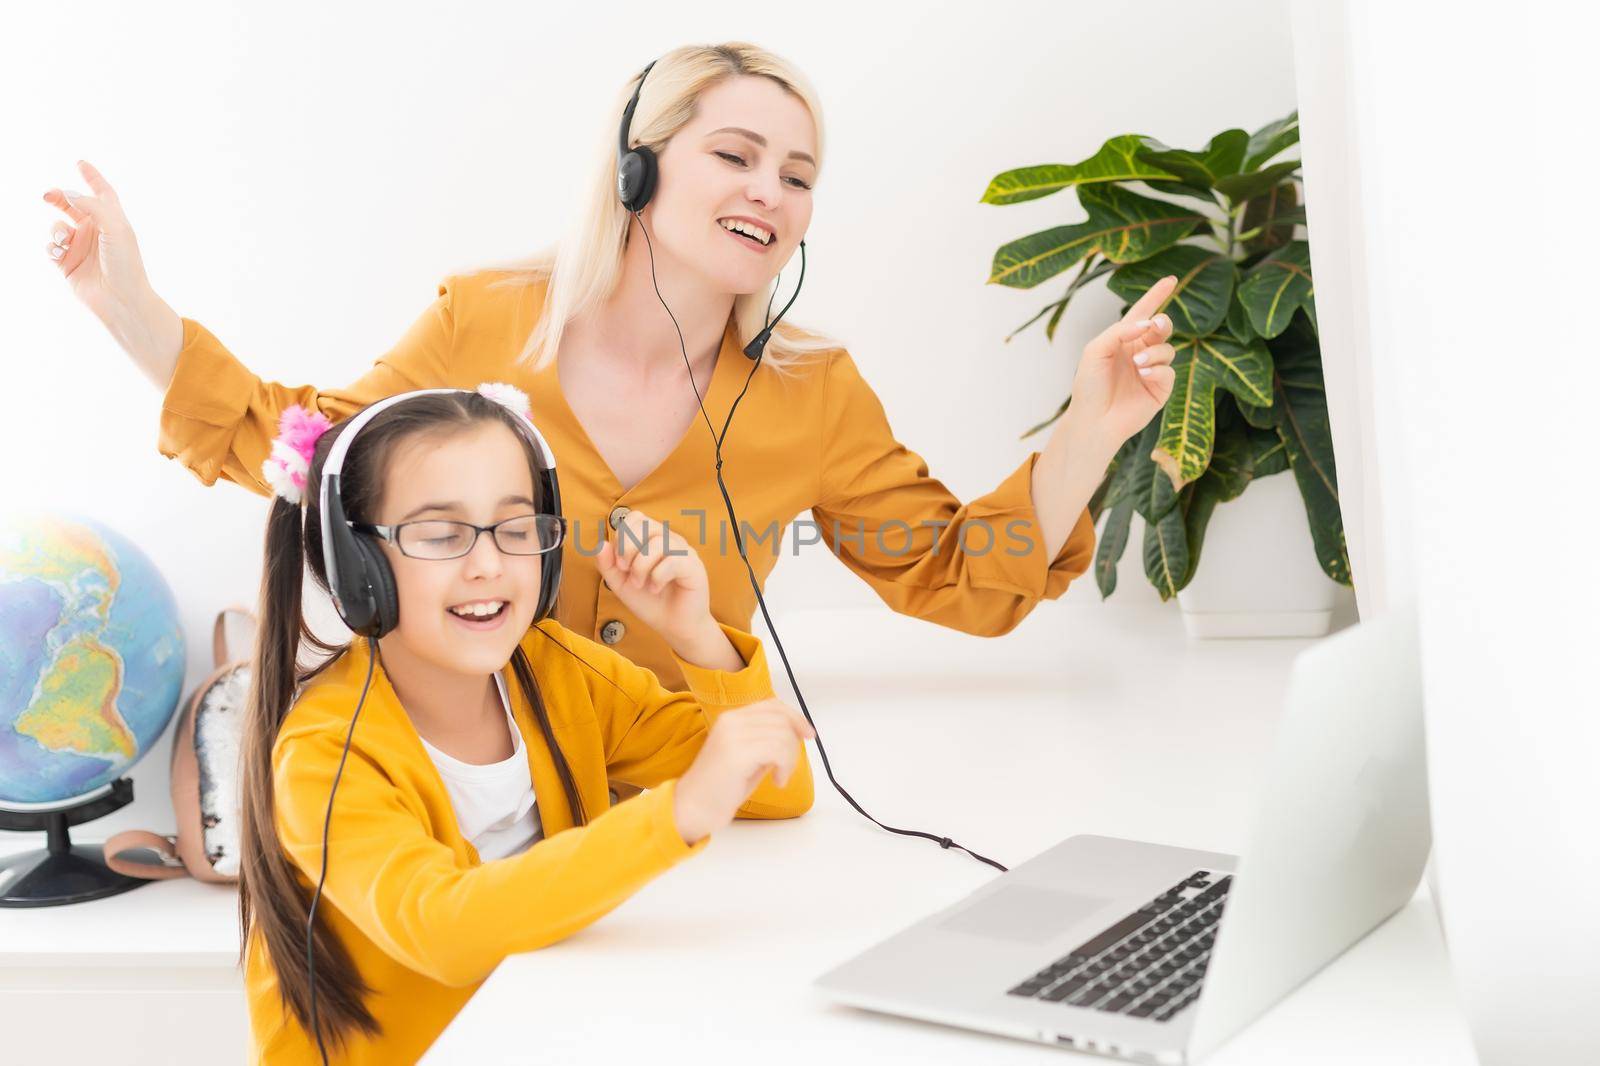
745,744
657,576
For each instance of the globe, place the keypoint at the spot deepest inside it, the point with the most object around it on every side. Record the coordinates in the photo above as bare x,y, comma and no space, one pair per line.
91,657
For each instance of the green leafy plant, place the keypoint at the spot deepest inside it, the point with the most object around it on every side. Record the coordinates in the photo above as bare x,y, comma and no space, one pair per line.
1248,398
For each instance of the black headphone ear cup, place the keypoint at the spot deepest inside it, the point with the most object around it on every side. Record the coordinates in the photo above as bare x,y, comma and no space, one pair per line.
550,572
647,181
627,178
549,585
636,178
380,576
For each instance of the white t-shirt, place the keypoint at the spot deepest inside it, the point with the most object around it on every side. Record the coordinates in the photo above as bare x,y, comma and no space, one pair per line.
494,802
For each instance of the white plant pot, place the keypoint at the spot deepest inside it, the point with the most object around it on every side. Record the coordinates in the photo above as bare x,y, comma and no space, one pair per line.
1258,573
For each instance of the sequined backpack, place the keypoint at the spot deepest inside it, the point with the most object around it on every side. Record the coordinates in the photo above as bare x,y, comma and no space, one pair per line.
205,777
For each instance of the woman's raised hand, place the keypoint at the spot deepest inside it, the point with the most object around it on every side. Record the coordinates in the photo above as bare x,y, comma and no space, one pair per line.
1126,375
745,744
95,250
94,247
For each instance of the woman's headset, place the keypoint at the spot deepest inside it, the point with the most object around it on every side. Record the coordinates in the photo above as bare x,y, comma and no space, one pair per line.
359,575
636,167
636,183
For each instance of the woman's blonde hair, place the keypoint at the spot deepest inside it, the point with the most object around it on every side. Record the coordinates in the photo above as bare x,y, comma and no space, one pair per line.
583,270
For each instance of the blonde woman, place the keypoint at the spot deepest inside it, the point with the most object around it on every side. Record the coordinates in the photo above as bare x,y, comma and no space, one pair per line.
739,138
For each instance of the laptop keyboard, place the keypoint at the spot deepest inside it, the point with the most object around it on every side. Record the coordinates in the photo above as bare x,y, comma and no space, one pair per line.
1148,965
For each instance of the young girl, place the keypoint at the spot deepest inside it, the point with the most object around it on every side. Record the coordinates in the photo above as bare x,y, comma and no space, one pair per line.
472,817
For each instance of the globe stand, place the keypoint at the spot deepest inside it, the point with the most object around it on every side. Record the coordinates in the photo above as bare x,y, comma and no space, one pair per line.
63,872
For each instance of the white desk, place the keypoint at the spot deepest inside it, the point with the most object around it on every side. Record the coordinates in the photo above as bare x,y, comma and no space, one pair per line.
145,978
1086,719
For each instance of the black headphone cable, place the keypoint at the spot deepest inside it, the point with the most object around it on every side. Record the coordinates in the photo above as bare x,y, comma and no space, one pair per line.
311,916
727,501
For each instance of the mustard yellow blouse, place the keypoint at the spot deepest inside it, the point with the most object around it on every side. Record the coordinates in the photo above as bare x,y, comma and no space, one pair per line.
816,440
425,921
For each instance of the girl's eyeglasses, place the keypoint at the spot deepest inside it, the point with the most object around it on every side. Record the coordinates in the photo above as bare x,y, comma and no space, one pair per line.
528,534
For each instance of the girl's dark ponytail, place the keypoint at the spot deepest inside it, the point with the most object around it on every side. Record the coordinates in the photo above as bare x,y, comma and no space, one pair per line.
269,893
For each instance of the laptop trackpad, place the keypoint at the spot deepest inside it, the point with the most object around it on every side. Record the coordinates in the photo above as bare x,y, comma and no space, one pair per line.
1021,912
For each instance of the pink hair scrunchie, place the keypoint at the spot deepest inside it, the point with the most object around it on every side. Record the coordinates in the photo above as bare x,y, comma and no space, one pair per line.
285,469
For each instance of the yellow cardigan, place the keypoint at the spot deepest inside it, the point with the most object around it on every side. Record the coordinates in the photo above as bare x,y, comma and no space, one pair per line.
424,919
816,440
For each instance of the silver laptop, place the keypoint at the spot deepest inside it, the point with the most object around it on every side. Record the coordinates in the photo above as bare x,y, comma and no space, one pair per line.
1160,954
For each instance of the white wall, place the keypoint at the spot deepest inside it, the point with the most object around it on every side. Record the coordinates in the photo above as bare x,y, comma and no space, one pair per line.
300,175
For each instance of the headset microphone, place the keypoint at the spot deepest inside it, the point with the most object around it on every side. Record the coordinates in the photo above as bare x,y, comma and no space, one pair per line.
758,343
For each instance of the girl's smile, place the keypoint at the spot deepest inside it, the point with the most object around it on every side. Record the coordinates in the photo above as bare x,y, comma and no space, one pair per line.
481,615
